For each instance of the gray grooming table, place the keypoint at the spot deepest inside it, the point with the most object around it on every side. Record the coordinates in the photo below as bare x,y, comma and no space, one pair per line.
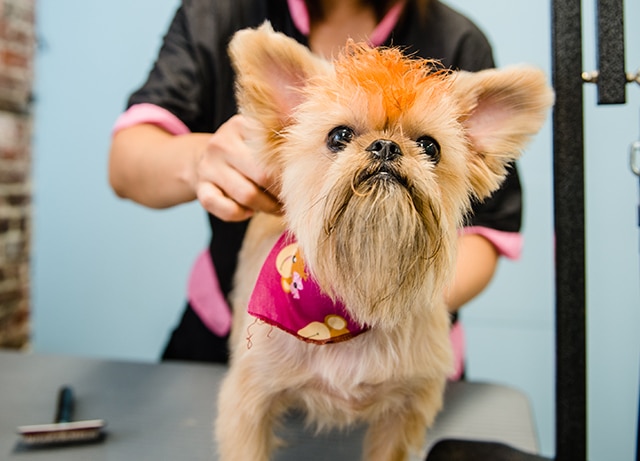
165,412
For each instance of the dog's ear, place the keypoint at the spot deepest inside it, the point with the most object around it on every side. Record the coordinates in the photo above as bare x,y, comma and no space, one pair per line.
502,110
271,71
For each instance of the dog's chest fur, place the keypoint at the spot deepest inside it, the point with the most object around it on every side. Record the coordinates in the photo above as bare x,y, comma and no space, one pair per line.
342,382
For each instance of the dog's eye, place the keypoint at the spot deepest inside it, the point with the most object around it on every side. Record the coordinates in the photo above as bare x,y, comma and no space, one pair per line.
339,137
430,148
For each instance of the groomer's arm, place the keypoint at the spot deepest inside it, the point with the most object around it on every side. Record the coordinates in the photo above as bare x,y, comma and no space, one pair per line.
154,168
476,264
157,169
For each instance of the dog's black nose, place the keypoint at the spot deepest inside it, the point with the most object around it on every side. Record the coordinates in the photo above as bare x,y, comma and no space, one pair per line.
383,149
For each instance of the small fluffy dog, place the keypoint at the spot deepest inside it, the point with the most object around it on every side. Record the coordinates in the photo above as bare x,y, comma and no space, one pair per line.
338,305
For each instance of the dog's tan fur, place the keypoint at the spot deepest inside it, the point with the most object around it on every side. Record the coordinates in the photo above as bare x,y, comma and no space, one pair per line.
386,248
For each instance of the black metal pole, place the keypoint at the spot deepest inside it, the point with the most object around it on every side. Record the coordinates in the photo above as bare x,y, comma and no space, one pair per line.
568,171
612,79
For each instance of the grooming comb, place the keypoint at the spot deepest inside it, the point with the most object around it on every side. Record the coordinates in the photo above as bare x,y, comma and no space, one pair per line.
63,430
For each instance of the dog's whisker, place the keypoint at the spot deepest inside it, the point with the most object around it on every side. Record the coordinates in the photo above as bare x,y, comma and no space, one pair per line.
357,193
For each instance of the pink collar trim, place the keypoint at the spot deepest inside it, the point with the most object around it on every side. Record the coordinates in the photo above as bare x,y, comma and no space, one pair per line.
300,16
287,297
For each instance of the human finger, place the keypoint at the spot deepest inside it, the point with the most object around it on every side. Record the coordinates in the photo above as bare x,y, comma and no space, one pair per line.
218,204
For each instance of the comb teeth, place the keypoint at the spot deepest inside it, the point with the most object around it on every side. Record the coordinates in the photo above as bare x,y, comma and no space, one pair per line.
57,433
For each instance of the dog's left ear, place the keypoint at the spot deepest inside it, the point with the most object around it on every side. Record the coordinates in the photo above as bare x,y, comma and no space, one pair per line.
502,110
271,71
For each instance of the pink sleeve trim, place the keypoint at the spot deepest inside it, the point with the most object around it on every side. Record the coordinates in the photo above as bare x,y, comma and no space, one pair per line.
150,113
300,16
508,244
205,296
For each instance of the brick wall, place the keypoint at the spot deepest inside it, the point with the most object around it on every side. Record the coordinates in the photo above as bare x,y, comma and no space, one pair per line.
17,44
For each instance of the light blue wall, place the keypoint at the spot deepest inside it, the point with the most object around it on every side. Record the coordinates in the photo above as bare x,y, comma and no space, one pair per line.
109,276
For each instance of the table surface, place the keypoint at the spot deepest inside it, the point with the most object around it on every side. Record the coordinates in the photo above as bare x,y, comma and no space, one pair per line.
165,412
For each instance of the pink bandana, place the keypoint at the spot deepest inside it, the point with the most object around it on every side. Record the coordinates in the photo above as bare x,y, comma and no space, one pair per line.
286,297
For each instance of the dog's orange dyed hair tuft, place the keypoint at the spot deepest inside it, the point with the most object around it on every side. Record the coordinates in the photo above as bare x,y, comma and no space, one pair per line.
398,78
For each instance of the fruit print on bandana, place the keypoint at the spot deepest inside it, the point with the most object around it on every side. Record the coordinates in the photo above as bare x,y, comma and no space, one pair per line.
285,296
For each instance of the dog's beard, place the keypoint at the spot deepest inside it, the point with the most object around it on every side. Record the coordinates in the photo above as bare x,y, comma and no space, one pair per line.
385,246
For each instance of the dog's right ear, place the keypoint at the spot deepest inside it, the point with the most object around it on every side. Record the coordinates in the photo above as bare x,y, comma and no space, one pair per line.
503,109
271,71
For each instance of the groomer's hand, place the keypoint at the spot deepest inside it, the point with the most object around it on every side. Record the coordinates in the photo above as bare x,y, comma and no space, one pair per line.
228,182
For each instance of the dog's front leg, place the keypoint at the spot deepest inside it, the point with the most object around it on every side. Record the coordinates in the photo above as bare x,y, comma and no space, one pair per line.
397,433
246,414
